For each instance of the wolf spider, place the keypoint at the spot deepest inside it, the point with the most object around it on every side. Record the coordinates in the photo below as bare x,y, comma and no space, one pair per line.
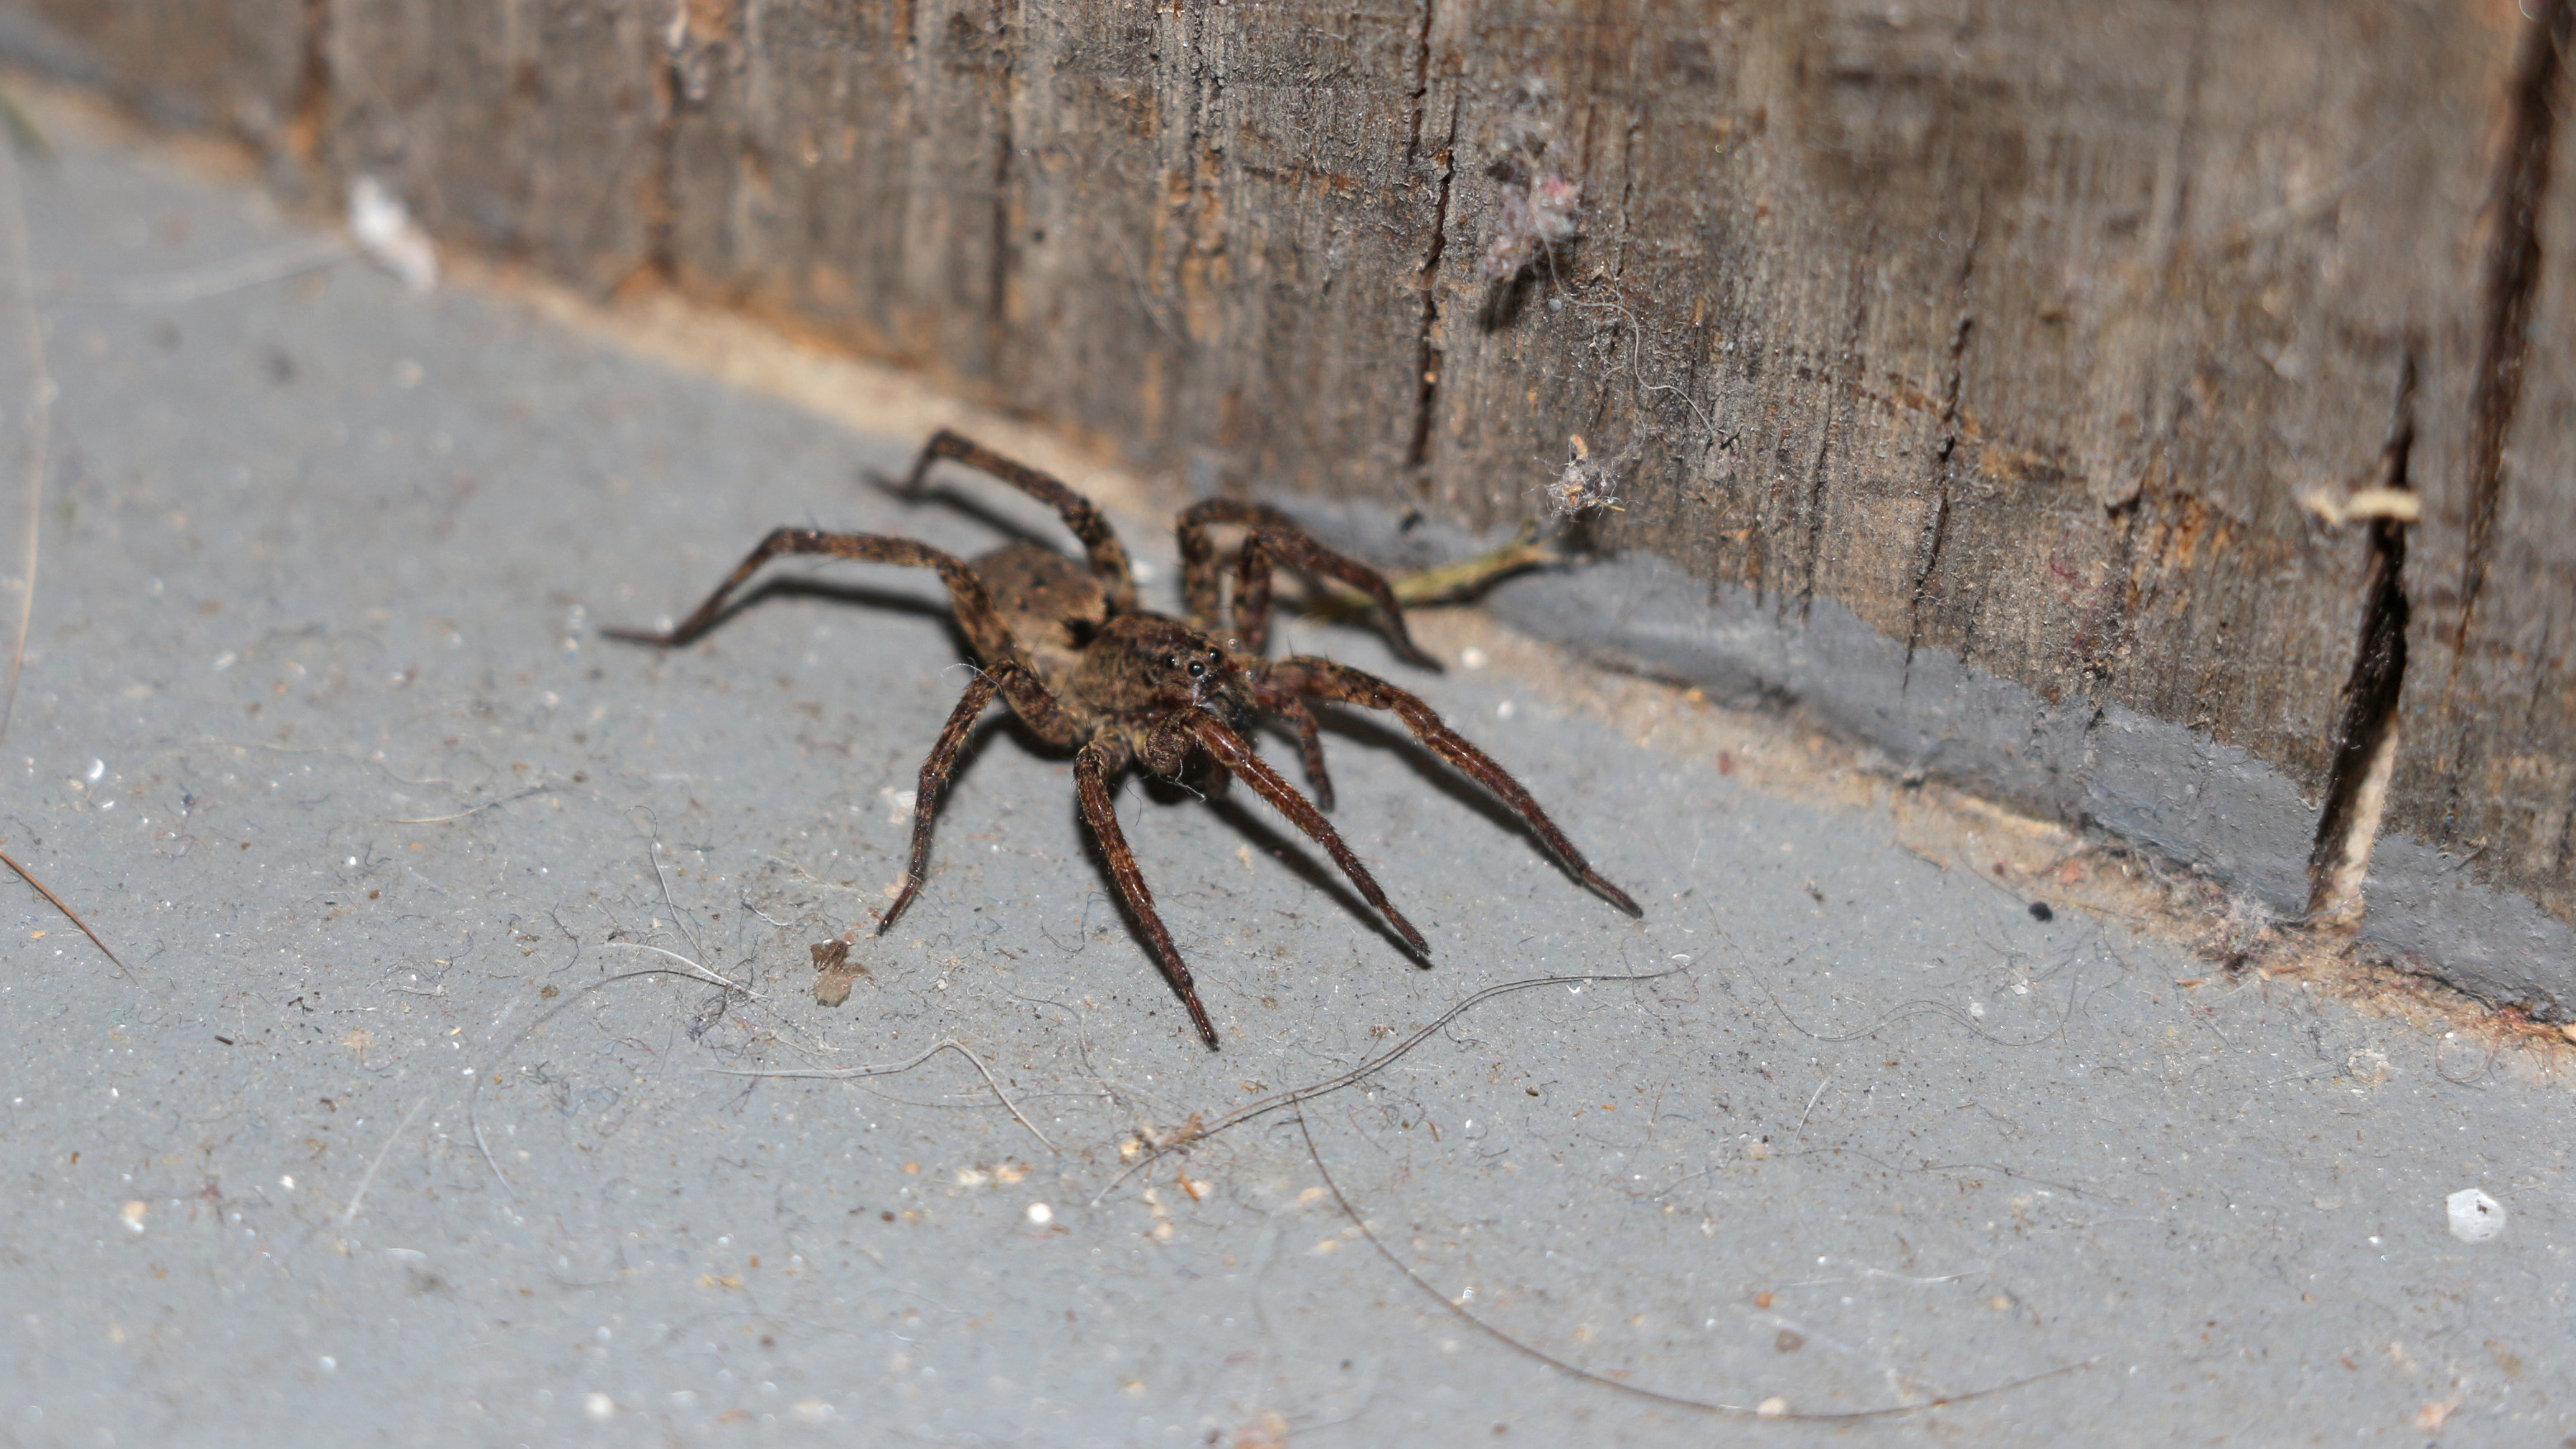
1065,645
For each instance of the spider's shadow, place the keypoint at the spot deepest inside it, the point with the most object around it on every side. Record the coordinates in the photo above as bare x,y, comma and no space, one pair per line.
969,506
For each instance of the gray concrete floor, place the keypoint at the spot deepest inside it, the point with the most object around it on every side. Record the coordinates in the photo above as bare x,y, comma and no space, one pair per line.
408,1126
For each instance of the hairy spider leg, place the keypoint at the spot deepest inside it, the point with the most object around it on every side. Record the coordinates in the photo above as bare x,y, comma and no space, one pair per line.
1310,740
1108,556
1274,536
972,603
1323,679
1235,754
1099,763
1030,700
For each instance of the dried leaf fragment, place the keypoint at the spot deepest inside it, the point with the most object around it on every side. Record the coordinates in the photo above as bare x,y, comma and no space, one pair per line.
832,959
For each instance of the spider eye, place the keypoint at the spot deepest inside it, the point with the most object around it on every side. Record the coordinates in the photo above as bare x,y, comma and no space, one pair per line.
1197,670
1171,661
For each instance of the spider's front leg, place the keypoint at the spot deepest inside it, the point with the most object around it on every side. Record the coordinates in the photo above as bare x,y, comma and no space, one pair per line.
1029,699
1100,763
1170,745
1323,679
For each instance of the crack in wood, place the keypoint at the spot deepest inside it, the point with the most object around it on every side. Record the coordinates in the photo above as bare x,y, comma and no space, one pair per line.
311,110
1936,533
662,186
997,281
1838,412
1421,85
1428,356
2365,752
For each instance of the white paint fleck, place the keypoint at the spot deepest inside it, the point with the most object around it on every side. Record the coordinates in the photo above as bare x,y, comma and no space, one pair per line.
383,228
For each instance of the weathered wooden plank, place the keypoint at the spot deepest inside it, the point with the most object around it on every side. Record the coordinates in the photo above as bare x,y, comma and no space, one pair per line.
238,65
2021,342
836,165
529,126
1236,204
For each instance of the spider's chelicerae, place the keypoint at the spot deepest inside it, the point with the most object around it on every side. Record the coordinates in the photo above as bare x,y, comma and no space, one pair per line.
1064,644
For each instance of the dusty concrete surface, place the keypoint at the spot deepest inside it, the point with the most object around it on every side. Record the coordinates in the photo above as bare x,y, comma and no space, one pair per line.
405,1127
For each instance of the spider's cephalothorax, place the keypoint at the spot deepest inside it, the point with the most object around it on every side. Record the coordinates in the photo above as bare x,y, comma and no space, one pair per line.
1065,645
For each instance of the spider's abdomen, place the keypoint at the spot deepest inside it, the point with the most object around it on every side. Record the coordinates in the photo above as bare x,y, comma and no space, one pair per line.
1052,605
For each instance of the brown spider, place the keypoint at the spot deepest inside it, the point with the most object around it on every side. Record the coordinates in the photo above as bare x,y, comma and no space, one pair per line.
1090,672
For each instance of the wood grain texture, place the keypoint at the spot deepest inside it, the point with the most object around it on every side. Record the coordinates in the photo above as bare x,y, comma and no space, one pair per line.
2021,328
236,65
530,127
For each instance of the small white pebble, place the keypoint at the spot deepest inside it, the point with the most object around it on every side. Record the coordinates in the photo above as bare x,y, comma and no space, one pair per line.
1472,658
1772,1407
1505,710
135,1212
598,1406
1040,1214
287,1182
2475,1217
